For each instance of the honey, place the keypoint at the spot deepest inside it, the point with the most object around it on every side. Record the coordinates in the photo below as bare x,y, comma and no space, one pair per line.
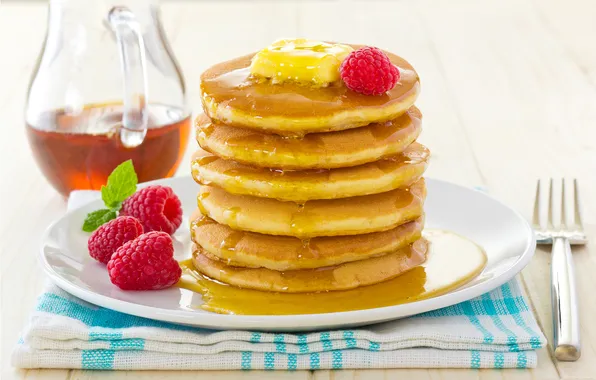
246,172
231,241
321,217
234,86
328,150
207,160
80,150
230,216
386,174
308,250
200,198
322,278
290,253
299,220
451,262
206,130
197,222
260,143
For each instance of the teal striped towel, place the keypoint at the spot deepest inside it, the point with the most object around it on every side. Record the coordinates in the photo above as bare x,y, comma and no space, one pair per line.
495,330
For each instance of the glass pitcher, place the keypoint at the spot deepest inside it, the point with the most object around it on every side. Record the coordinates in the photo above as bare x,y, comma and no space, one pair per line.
106,89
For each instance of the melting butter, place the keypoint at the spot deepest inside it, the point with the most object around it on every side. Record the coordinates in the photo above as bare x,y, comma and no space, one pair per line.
300,60
452,261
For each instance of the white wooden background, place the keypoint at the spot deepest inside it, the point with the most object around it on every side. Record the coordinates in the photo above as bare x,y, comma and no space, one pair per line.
509,95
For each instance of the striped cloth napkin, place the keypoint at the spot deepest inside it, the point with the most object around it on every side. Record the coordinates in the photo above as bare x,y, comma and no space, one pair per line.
495,330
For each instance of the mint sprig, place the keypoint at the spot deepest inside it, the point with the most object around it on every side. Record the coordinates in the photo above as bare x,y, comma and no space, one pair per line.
122,183
97,218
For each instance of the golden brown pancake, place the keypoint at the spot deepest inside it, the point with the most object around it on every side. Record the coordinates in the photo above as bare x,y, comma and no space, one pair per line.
313,151
253,250
389,173
324,217
231,96
341,277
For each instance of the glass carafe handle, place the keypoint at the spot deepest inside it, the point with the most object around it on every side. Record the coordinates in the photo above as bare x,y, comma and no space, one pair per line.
131,45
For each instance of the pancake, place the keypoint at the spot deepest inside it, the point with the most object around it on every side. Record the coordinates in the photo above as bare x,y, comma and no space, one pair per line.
313,151
341,277
253,250
389,173
231,96
325,217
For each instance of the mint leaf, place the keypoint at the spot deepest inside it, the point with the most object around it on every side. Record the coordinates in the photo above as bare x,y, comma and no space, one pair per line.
122,183
97,218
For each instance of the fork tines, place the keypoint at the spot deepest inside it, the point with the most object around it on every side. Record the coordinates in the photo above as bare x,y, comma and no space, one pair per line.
575,233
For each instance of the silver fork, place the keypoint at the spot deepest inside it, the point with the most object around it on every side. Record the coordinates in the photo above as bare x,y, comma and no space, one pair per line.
563,293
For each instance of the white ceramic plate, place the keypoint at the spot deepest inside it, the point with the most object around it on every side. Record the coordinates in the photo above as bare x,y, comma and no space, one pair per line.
504,234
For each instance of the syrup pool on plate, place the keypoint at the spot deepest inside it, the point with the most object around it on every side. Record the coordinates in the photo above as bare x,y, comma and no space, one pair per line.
452,262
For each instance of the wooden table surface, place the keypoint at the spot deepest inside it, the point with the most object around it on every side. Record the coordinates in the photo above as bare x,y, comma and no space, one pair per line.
509,95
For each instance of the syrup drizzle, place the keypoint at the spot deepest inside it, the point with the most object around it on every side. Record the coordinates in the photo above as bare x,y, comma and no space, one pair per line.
202,196
263,144
288,253
453,261
230,216
413,156
313,217
232,85
230,242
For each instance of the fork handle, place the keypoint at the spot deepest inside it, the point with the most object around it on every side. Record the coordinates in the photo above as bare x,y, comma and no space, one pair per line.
564,301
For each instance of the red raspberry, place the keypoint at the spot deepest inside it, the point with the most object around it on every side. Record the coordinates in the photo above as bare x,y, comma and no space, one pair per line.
369,71
157,207
104,241
146,263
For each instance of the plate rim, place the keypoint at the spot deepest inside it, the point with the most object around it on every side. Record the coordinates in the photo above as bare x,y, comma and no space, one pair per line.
295,322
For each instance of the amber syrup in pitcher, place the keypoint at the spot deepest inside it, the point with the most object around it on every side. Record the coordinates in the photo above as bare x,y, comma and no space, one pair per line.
78,150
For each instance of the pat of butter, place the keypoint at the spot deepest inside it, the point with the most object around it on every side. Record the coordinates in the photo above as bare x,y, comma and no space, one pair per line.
300,60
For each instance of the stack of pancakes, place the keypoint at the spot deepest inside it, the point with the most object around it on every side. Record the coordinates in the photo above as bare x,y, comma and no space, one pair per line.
307,189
